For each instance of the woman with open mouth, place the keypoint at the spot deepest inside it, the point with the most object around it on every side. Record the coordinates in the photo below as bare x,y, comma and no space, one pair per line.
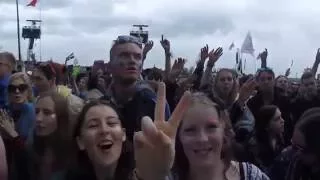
103,152
101,143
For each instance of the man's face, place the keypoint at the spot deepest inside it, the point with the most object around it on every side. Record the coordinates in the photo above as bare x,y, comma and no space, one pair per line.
266,81
40,81
309,86
5,67
126,63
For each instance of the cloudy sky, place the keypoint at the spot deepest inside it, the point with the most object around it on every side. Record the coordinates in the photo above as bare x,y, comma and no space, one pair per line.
290,29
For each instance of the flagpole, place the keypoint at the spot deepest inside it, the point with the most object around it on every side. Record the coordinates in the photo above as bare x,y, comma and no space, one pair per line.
18,31
40,30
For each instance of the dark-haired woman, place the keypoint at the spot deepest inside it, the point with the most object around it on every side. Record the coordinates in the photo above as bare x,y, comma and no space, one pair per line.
101,141
203,145
268,141
105,154
301,161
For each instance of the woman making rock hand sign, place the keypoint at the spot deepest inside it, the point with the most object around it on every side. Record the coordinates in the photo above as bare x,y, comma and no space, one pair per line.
154,145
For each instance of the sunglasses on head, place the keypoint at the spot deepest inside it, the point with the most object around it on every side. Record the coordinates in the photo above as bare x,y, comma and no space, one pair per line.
128,39
21,88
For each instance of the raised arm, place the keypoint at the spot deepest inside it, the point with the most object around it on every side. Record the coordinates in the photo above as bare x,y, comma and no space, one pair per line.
316,63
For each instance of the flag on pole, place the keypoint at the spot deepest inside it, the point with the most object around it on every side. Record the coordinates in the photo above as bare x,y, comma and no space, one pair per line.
71,56
247,46
231,46
33,3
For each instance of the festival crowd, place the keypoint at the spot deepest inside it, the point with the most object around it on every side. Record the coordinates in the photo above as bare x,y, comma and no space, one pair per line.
125,122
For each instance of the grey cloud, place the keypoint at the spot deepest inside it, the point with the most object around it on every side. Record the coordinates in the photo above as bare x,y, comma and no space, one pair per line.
195,25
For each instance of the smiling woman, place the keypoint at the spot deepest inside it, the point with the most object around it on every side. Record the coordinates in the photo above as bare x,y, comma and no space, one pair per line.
203,145
102,145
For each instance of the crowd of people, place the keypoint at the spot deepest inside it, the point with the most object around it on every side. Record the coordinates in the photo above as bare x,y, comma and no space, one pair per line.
125,122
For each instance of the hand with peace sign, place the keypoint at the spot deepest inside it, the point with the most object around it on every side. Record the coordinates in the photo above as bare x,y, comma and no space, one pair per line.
154,146
7,124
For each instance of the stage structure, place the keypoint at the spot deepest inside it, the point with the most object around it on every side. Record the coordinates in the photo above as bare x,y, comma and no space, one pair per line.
140,33
32,33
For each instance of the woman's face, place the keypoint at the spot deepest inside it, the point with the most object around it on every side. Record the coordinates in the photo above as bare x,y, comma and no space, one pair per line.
225,82
18,91
102,136
276,124
282,83
46,118
201,135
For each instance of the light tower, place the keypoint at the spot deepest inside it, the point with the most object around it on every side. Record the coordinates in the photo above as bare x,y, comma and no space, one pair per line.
143,35
32,33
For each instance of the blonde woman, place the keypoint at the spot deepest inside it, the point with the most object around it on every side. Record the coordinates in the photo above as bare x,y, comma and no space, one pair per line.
17,122
21,107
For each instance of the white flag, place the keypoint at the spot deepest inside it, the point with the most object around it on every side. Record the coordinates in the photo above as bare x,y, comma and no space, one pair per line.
231,46
71,56
247,46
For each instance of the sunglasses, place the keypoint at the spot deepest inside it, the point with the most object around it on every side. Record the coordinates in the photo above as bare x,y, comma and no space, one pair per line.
21,88
128,39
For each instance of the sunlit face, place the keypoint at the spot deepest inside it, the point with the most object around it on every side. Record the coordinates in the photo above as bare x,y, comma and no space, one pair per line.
266,81
102,136
276,124
299,145
46,118
126,63
18,91
225,82
201,135
282,83
40,81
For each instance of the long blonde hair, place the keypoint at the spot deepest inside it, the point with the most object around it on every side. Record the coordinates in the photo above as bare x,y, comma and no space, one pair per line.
25,78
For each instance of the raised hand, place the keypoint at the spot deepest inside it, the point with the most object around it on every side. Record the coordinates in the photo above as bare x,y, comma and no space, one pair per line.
204,53
264,54
214,55
248,89
154,145
177,68
148,47
287,72
7,124
165,44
